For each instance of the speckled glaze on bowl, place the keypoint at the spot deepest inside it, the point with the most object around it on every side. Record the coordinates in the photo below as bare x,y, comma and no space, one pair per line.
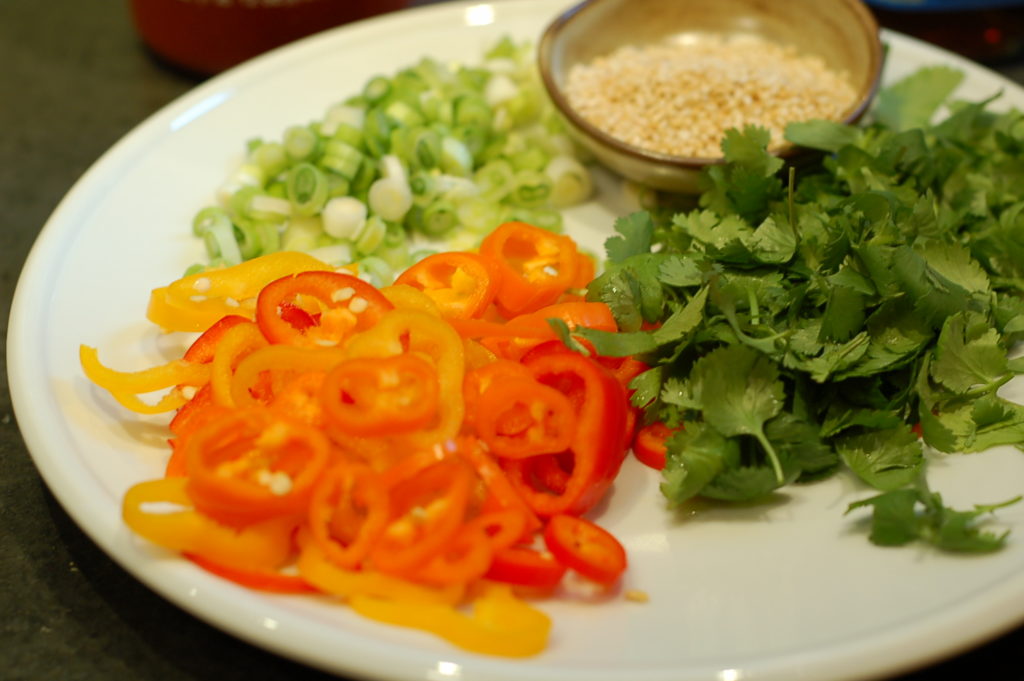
843,33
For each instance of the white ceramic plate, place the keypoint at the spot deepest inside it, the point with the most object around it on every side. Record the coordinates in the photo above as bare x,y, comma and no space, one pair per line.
781,592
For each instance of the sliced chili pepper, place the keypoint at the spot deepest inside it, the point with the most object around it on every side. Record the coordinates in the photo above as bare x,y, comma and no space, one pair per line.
373,397
299,398
649,444
266,544
272,581
337,304
536,266
501,494
329,578
523,333
587,548
197,301
597,448
203,348
520,417
428,509
348,512
264,372
126,386
254,464
415,332
527,567
498,624
463,560
235,344
462,284
476,381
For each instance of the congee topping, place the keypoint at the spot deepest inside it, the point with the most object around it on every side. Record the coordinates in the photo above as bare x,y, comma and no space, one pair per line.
680,97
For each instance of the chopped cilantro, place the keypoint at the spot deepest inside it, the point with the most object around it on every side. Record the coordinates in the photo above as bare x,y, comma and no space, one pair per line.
800,326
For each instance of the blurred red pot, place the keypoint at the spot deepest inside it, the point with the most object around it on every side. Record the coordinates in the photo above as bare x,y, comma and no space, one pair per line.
208,36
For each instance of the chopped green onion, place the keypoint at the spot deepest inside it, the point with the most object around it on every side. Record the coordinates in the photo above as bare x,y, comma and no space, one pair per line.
299,142
306,188
530,188
371,235
435,150
342,158
341,114
344,217
455,157
301,233
218,233
335,254
376,271
246,175
439,218
376,89
570,181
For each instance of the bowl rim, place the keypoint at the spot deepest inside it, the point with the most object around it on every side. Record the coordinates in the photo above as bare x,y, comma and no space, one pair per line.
851,114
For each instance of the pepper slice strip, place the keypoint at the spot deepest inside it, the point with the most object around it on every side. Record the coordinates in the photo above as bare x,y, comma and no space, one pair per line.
126,386
337,305
196,302
374,397
253,464
263,545
596,451
499,624
521,417
316,569
589,549
462,284
272,581
536,266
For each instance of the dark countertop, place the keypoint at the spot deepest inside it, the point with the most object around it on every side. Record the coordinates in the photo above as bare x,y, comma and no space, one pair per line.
74,80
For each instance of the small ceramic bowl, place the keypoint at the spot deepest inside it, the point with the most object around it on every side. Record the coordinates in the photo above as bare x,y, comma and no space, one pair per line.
842,33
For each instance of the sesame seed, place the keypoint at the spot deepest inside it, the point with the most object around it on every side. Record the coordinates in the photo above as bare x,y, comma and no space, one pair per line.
679,98
358,305
342,294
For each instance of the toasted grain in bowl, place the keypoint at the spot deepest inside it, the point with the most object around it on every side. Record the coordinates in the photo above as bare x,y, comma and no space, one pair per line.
679,97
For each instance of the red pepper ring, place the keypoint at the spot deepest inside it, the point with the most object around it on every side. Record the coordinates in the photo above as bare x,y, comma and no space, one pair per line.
597,449
589,549
536,265
428,508
336,305
519,417
463,284
347,513
253,464
371,396
649,445
526,567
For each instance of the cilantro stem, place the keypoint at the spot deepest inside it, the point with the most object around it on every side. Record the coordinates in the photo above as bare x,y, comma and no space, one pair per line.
772,456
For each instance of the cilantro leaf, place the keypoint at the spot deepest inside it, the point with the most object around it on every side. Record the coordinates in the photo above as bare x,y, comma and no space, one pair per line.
885,459
740,390
913,101
917,514
635,230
